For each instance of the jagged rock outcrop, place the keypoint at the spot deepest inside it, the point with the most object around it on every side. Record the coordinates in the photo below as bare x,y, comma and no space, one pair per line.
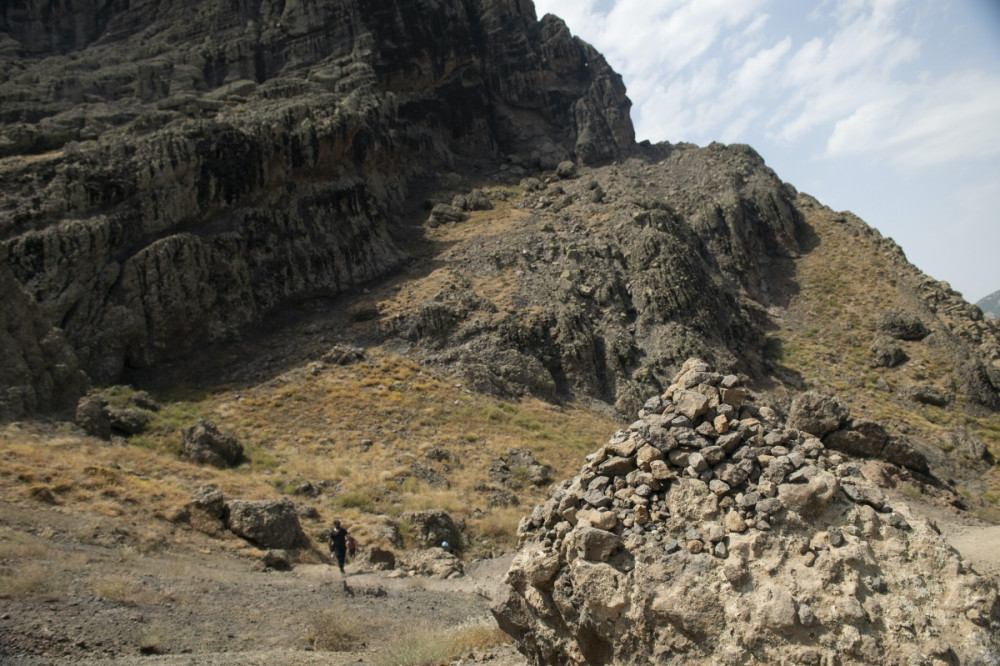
432,528
706,533
182,170
268,524
203,443
611,309
38,368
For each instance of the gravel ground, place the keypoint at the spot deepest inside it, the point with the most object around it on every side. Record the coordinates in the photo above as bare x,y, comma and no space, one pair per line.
104,597
110,604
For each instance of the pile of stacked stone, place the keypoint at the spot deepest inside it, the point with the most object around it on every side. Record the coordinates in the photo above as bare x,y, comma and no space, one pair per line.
707,532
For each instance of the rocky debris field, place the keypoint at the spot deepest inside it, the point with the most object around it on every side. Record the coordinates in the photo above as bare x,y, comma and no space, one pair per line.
707,532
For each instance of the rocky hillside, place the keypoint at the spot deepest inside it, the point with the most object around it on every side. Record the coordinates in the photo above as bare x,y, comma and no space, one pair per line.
475,203
186,168
990,305
410,256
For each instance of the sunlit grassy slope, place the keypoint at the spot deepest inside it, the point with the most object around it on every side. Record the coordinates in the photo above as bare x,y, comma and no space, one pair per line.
354,431
845,281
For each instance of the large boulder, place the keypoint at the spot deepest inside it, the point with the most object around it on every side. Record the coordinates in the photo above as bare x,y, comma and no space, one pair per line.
519,467
265,523
203,443
816,413
862,438
129,420
205,511
775,551
434,562
886,353
92,416
903,325
432,527
375,559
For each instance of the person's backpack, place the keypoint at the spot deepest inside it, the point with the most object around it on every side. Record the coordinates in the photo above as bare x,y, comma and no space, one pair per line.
352,546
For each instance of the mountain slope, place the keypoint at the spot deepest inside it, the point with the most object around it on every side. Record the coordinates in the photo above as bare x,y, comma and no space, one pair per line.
990,305
410,256
176,179
297,150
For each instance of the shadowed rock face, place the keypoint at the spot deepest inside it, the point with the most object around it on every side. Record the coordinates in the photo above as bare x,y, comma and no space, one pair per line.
175,170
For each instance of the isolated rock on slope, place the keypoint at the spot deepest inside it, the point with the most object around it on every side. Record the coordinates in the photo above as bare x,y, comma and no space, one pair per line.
265,523
725,538
178,170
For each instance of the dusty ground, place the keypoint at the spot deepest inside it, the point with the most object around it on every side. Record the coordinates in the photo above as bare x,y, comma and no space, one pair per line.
109,603
976,540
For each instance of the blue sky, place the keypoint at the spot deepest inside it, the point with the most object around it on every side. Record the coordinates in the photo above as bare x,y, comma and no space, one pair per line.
887,108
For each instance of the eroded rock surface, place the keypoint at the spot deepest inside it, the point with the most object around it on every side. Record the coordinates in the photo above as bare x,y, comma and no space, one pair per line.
173,175
714,536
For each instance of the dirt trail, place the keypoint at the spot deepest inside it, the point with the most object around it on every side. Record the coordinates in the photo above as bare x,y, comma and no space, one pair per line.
100,601
201,605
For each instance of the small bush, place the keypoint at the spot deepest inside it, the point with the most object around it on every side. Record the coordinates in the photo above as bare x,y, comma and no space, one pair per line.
126,589
500,526
30,581
355,499
336,630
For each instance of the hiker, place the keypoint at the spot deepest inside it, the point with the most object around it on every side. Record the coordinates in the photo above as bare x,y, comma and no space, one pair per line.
352,546
447,548
338,543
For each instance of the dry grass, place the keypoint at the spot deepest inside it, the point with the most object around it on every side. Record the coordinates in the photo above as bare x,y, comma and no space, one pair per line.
427,645
827,332
127,588
359,432
32,580
337,630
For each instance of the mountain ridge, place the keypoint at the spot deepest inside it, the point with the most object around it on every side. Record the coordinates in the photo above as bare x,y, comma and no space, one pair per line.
990,305
409,256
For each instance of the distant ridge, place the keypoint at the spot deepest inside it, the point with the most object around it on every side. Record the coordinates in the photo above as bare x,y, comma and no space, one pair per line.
990,305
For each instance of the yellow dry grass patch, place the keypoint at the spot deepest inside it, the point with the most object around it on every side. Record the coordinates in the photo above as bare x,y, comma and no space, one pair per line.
360,430
364,434
424,644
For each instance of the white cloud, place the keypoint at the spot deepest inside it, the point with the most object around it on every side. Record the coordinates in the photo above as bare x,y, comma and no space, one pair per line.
956,118
881,87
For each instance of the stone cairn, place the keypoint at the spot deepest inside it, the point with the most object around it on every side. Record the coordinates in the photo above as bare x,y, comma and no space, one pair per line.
706,532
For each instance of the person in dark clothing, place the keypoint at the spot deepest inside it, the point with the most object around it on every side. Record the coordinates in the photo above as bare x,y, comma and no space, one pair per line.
338,543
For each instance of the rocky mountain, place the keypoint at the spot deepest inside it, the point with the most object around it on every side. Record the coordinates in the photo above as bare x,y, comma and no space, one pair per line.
185,167
476,202
414,245
990,305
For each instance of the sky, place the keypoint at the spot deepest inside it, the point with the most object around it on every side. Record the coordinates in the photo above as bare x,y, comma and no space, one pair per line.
887,108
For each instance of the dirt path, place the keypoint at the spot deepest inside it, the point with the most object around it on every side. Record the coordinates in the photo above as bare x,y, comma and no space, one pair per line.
101,601
87,595
976,540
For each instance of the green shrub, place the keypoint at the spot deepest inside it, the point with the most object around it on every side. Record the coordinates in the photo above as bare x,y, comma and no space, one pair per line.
354,499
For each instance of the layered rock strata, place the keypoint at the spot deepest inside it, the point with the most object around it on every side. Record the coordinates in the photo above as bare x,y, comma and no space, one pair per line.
174,171
709,533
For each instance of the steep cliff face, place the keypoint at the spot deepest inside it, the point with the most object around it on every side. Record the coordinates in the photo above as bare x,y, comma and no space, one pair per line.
174,170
